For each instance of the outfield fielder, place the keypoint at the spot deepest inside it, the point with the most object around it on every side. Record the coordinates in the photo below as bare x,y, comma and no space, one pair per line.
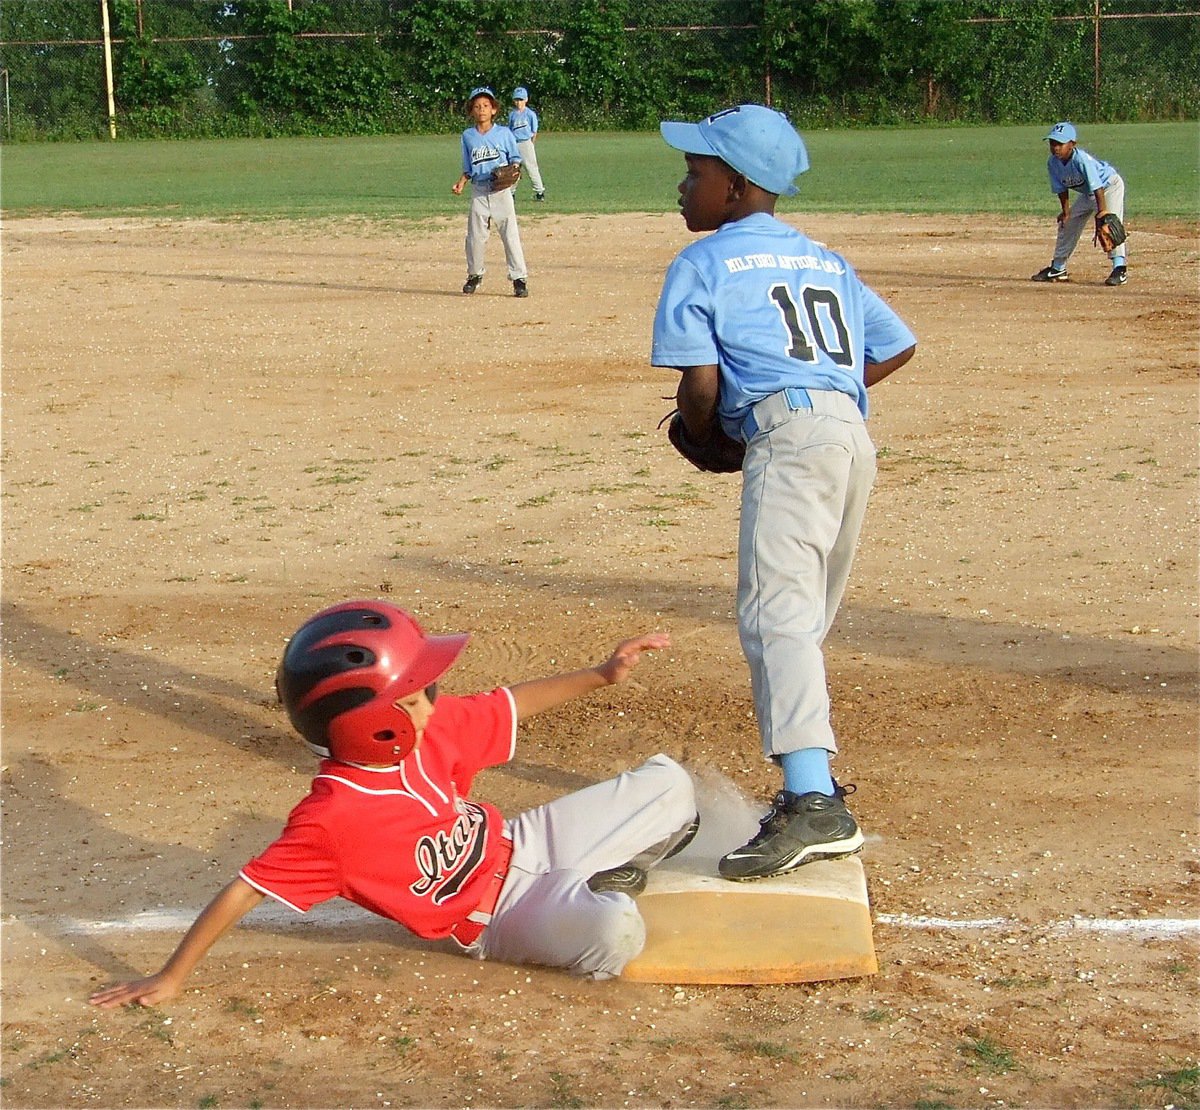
523,123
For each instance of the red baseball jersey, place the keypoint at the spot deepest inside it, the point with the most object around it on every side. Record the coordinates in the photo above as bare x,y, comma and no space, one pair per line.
404,842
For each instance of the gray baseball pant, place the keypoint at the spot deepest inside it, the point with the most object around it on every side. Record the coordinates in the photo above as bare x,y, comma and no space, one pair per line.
488,208
805,484
1080,215
528,150
546,913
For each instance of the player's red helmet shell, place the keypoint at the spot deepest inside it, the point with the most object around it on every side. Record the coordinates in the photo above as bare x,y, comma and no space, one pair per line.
343,671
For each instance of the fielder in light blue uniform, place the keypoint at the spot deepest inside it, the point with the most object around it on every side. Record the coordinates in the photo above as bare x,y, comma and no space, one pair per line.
523,123
778,339
1101,189
485,147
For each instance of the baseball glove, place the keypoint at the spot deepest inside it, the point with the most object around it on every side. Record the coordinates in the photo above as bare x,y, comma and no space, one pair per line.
719,454
505,177
1110,232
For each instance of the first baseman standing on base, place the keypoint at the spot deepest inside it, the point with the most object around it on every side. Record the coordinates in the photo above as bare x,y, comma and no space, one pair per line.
1101,189
485,147
390,826
777,338
523,123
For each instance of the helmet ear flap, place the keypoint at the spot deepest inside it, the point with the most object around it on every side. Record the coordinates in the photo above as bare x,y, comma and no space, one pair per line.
377,732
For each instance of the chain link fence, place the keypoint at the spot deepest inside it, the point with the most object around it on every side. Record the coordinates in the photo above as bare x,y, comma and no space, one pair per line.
198,68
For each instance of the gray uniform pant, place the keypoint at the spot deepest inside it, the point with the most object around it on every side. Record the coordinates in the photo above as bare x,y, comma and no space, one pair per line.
546,913
529,164
1082,214
805,484
488,208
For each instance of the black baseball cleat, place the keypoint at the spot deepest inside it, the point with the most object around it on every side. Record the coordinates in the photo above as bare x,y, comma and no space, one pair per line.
798,829
1049,273
1119,276
539,196
520,289
630,878
626,879
472,283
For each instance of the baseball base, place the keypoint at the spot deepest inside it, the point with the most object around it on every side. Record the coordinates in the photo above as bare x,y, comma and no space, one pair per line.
811,925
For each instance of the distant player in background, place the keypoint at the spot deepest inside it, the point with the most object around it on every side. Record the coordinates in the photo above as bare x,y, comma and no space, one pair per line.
776,340
487,145
523,123
1101,189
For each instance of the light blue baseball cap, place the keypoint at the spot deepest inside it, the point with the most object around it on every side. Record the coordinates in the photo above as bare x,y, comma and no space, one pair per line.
1062,132
483,90
520,93
760,143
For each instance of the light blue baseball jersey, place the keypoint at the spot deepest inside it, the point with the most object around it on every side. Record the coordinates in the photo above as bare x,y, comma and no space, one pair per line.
523,123
1082,171
772,309
483,152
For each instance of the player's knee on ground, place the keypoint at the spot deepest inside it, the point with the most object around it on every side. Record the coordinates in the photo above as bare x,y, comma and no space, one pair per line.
619,934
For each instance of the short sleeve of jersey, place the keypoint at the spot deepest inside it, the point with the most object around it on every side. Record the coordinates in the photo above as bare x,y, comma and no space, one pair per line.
885,334
476,732
683,333
300,868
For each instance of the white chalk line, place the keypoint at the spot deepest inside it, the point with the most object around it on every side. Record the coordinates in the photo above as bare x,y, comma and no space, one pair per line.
276,917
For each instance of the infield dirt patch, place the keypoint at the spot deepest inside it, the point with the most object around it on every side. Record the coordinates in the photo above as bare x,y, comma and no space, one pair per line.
213,429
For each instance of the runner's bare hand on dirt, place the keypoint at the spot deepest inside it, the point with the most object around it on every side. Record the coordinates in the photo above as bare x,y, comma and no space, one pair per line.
628,653
149,991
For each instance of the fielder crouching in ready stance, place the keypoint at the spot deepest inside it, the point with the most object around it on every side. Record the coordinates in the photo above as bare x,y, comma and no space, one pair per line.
390,826
776,340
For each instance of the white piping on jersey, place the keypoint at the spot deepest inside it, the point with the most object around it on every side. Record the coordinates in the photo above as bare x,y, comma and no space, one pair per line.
407,792
269,893
512,706
425,775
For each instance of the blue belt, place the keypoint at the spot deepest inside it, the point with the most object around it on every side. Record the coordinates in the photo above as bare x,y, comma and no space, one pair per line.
797,399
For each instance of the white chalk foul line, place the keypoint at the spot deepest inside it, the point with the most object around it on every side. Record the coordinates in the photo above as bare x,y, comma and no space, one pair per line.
1142,926
167,921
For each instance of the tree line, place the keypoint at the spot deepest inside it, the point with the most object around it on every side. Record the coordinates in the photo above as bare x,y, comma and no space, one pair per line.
192,68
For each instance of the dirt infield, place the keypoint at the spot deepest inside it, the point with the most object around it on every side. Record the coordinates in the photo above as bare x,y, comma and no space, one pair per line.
212,429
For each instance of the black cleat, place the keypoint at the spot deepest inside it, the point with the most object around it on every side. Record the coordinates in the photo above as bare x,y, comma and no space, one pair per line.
472,283
798,829
626,879
520,289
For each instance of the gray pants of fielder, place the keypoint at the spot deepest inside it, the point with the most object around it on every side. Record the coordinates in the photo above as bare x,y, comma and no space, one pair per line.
529,164
1081,214
547,914
488,209
805,484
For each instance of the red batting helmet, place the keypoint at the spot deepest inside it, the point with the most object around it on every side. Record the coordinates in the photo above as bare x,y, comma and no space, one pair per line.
343,671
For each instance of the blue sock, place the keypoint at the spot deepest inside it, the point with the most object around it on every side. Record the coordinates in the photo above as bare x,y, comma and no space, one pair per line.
807,770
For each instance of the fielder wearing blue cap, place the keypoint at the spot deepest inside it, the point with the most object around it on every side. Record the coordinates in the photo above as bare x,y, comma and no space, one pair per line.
487,146
776,339
1101,190
523,123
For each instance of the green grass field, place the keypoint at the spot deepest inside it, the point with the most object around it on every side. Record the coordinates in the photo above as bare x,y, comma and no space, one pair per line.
955,169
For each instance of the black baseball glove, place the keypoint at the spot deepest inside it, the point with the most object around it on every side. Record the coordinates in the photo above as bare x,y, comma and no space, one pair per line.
1110,232
719,454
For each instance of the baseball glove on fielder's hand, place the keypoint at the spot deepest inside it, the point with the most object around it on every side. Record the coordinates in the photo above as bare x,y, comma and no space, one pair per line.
719,454
1110,232
505,177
